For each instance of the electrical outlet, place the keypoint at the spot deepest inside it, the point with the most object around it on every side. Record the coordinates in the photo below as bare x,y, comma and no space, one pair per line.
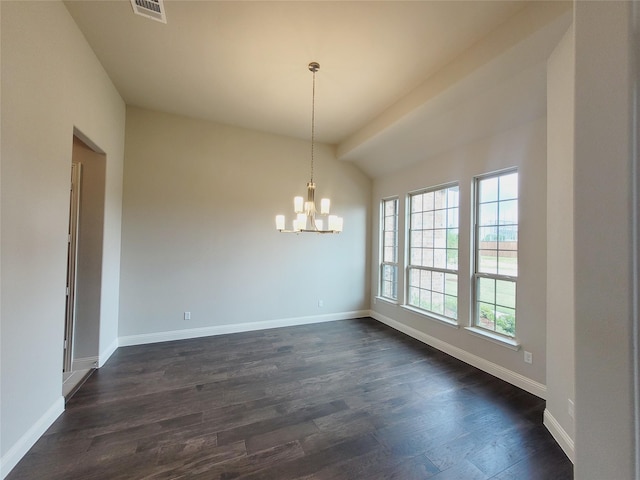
528,357
187,315
571,408
320,303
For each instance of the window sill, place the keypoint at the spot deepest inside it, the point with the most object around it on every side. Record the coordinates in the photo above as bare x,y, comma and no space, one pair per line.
510,343
432,316
385,300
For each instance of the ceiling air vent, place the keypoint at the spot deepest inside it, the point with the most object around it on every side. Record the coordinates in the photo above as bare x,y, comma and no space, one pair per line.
153,9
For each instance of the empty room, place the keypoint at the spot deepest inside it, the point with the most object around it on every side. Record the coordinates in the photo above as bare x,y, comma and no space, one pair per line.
319,239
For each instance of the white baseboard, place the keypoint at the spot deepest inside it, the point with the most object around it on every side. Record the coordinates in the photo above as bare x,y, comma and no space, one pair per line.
31,436
106,354
235,328
560,435
85,363
525,383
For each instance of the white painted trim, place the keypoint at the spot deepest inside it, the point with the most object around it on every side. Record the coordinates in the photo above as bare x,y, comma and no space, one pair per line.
561,436
31,436
86,363
235,328
510,343
106,354
520,381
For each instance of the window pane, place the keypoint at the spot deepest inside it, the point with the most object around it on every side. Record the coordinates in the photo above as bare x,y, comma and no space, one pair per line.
390,239
427,203
488,190
440,238
451,284
452,218
416,203
452,238
506,321
486,290
488,234
509,186
452,259
414,296
488,214
414,277
437,281
390,207
427,238
509,212
487,261
427,257
425,300
416,256
428,220
437,303
453,194
506,294
440,219
416,239
440,198
390,224
416,221
451,306
425,279
509,234
508,263
486,316
440,258
389,254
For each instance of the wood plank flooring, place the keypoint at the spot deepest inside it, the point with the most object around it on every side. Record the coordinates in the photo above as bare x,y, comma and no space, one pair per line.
342,400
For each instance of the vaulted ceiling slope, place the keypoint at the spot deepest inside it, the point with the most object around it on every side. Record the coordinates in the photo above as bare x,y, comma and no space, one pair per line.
424,75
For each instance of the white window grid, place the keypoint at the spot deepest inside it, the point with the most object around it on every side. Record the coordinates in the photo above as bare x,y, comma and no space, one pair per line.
388,286
496,252
432,260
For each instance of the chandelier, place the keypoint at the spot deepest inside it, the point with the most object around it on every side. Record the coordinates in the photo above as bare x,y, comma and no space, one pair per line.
306,219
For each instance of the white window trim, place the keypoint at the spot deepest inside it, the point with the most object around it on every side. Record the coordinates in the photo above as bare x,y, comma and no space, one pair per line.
509,342
407,264
505,340
432,316
381,250
390,301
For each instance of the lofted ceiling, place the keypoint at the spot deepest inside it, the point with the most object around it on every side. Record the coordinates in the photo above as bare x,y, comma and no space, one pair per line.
389,69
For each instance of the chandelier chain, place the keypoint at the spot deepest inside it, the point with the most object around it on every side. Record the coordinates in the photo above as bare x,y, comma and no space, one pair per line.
313,119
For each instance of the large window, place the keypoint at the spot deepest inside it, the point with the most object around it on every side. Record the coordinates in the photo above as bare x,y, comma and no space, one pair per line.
496,252
389,250
432,271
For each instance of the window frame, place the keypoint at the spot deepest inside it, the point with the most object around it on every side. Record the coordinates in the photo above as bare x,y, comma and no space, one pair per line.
409,266
385,263
477,275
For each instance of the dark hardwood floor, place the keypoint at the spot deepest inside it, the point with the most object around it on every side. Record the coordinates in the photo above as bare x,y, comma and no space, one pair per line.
342,400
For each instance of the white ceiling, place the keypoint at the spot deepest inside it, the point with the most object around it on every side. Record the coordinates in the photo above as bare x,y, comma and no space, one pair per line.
245,63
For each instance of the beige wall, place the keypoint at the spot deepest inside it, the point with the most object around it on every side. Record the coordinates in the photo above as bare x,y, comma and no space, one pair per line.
523,147
604,251
51,84
199,235
560,264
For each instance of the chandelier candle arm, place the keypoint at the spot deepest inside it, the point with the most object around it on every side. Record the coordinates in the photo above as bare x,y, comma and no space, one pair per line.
306,211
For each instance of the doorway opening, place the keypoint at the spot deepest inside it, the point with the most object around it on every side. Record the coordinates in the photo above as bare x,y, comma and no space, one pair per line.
84,263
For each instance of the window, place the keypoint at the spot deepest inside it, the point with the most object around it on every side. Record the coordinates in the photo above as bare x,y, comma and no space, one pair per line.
432,271
389,254
496,252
